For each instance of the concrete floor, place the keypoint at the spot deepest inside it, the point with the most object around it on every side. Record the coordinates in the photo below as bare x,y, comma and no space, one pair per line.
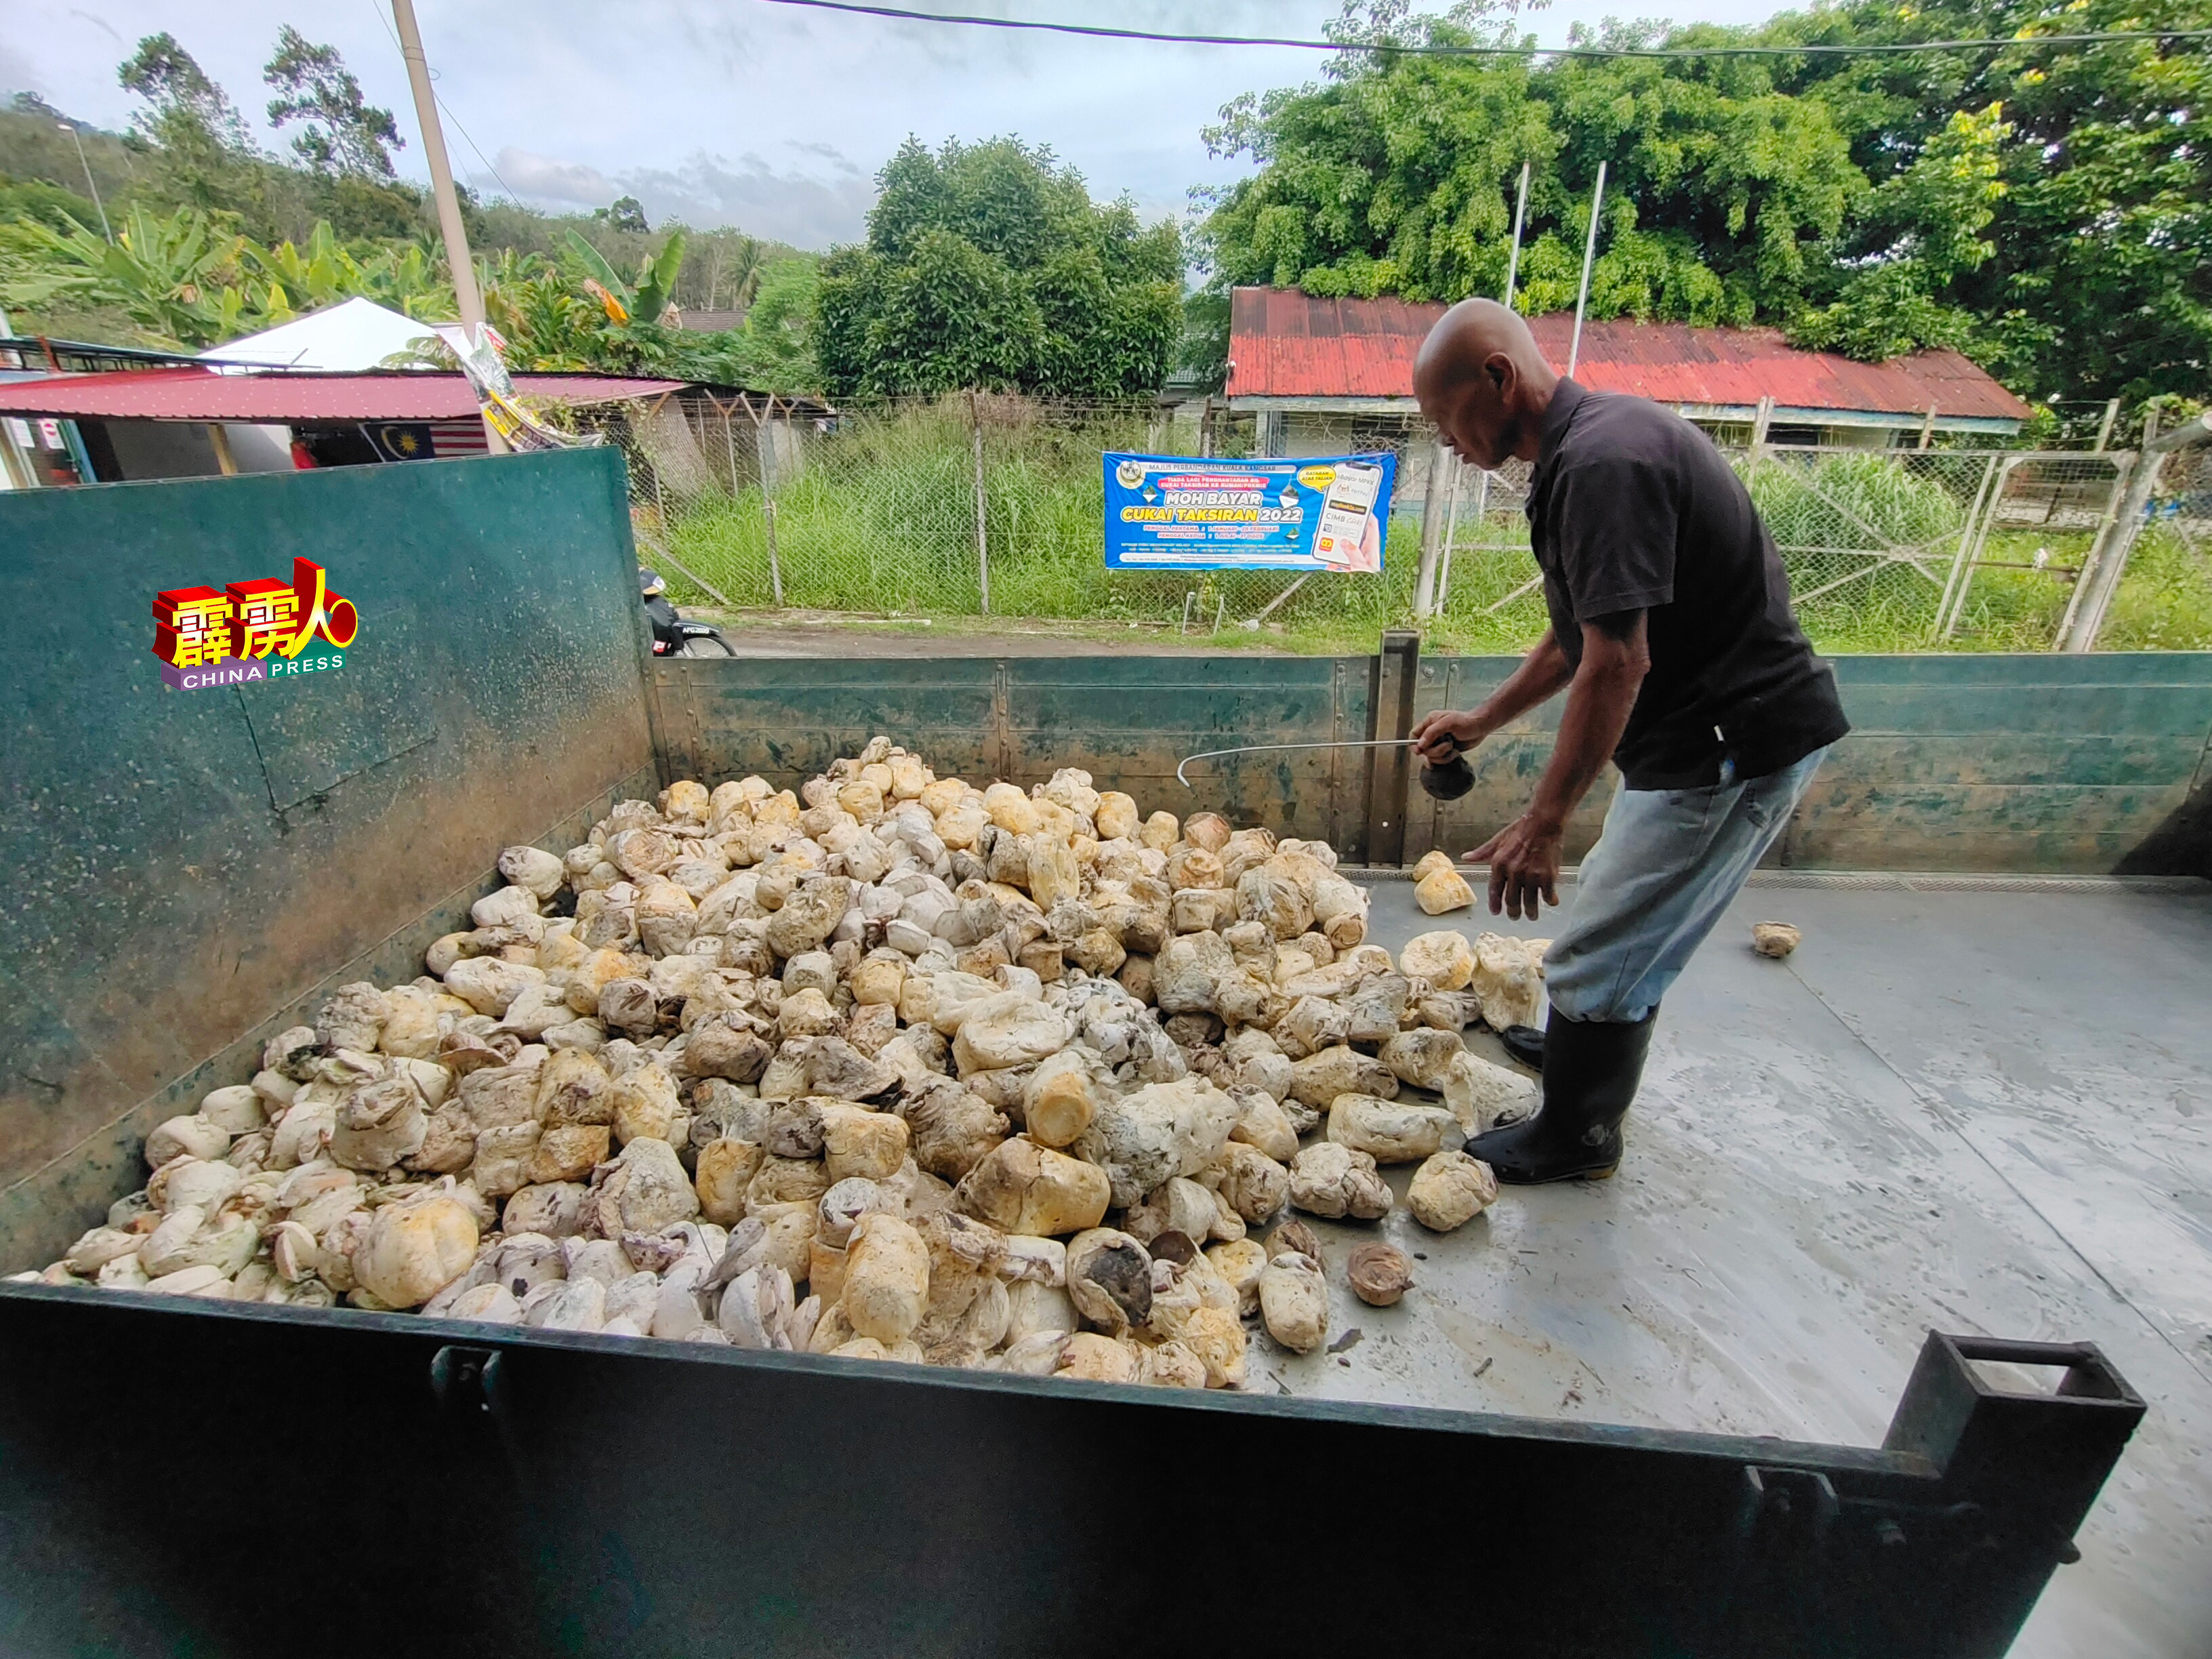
1983,1112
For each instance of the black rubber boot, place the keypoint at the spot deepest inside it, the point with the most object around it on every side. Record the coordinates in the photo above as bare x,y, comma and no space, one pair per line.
1525,1044
1591,1068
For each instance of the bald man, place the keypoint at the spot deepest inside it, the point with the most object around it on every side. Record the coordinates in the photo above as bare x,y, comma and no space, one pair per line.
1672,637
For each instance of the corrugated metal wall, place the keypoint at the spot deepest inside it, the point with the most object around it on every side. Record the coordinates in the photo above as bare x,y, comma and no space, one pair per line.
184,868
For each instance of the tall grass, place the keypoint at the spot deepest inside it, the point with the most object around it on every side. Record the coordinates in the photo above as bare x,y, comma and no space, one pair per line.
2165,598
880,518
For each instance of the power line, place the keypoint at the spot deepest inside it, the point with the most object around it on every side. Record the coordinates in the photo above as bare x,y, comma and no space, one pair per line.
1866,49
480,155
442,105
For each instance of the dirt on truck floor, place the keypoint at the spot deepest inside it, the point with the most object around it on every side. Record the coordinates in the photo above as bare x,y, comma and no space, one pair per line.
826,632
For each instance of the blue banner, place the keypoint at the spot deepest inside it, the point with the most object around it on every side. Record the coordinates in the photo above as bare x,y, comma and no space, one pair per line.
1312,512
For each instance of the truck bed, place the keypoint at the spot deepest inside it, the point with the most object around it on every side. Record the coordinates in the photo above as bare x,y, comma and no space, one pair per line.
1980,1107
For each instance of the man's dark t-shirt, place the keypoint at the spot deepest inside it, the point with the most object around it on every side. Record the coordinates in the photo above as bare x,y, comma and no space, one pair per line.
1632,508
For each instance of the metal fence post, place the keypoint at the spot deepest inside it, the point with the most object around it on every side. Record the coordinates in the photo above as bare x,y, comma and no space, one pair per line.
2124,466
1443,596
730,447
2100,584
1425,584
982,541
1977,533
764,446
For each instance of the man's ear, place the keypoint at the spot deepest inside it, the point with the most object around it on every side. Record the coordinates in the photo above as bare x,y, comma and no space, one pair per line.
1503,373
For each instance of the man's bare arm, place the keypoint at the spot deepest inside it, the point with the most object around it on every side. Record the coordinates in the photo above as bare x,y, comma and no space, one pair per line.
1524,857
1541,673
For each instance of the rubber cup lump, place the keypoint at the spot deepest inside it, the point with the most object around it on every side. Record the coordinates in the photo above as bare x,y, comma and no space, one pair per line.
889,1066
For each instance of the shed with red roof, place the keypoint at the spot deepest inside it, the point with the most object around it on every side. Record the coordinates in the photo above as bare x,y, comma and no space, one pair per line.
1311,367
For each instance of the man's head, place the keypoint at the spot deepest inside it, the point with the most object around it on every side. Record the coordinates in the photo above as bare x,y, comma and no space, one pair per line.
1483,384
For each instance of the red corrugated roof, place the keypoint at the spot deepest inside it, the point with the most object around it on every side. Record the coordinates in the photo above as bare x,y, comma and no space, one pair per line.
1283,343
198,394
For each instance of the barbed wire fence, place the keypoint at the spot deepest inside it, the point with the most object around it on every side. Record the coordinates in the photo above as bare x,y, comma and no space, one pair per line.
974,505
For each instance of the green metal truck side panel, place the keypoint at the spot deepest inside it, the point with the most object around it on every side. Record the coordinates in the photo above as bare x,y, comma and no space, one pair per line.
188,866
1126,721
2057,765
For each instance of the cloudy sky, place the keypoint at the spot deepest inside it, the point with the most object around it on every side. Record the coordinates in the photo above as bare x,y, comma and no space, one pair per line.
741,112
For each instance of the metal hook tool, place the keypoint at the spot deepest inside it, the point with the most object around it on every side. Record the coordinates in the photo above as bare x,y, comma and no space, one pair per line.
1258,748
1448,781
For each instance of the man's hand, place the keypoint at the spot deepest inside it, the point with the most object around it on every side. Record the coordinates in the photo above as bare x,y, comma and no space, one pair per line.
1524,866
1448,733
1524,856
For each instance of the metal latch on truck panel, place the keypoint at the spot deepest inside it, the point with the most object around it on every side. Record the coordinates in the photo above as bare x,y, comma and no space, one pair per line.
466,1379
1797,1503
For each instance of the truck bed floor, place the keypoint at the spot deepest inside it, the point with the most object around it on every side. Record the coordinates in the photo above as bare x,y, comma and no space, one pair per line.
1981,1111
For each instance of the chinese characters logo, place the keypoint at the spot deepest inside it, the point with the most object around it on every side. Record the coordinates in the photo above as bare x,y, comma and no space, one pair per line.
253,630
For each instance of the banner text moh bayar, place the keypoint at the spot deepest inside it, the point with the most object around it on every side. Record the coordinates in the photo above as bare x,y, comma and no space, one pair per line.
1315,512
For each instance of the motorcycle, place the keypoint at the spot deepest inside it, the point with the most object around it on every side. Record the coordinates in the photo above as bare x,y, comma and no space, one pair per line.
671,635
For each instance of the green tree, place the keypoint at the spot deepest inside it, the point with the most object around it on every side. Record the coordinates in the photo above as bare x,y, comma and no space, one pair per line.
2047,209
172,81
989,265
292,278
627,213
343,133
1398,175
204,157
778,349
737,265
2081,174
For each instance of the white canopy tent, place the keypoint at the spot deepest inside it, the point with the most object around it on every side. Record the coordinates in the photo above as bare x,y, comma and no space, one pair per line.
355,334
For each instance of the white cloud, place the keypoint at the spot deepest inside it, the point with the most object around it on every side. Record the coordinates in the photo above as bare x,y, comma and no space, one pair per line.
808,104
17,73
794,207
542,177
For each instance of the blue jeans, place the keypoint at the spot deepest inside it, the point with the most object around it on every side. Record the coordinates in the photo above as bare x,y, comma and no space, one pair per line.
1663,870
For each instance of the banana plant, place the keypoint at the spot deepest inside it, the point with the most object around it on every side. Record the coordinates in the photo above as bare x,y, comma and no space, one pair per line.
177,278
646,300
535,307
294,279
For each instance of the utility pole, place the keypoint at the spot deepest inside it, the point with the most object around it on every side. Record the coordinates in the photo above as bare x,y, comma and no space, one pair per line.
456,236
71,129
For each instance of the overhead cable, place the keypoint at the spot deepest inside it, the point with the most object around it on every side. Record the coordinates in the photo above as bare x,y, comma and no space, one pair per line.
1816,49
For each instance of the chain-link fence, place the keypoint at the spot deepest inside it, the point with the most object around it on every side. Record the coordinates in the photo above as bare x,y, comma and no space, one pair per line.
973,505
1886,550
